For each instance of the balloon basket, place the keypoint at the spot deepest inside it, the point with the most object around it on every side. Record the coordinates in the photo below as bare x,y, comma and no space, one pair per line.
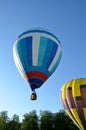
33,96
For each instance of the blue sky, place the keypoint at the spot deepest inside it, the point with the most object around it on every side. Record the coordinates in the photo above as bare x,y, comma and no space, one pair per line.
65,19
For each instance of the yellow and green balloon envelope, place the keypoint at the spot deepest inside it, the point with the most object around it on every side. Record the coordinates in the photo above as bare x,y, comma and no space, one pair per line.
73,97
37,53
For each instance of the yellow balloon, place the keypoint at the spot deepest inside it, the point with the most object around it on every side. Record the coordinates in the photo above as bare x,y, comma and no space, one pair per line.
73,97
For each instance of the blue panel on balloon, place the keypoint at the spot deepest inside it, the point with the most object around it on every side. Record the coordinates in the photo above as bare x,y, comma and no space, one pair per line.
35,82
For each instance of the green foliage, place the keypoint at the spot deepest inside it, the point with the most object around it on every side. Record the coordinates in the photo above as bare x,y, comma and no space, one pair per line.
31,121
62,121
3,120
13,124
46,120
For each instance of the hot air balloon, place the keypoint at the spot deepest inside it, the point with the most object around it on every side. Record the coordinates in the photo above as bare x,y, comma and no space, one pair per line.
36,53
73,97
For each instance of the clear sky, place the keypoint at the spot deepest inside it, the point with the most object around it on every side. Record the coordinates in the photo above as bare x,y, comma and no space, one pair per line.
64,18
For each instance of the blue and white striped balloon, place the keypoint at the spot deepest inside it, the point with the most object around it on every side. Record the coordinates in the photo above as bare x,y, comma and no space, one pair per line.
37,53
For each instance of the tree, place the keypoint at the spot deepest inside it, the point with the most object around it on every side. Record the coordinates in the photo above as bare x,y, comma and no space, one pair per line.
62,121
3,120
14,123
30,121
46,120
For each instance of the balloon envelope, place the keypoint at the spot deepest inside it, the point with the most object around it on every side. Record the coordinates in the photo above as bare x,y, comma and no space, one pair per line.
37,53
73,97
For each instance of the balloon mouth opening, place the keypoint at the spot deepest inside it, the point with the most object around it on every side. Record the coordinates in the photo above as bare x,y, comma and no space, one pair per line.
33,96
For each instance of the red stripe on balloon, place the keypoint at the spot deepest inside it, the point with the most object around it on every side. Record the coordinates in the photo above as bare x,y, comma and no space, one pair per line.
37,74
